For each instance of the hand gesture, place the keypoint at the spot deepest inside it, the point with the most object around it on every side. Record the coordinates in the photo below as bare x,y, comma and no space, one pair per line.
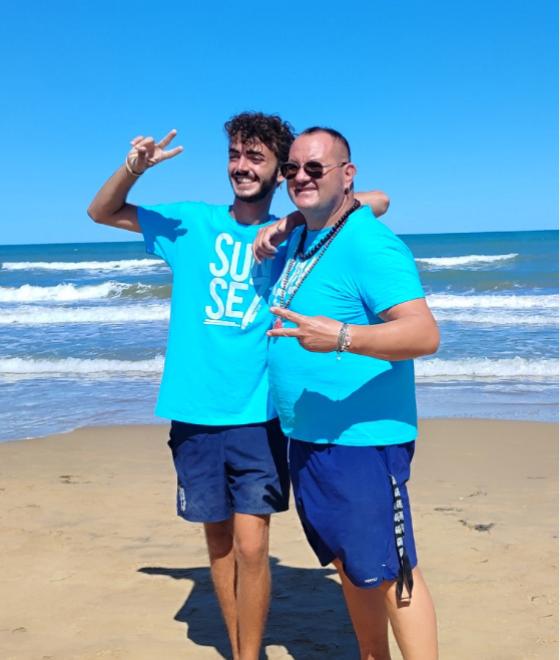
146,152
318,334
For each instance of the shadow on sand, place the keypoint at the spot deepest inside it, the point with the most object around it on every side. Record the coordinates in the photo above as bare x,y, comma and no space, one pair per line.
307,613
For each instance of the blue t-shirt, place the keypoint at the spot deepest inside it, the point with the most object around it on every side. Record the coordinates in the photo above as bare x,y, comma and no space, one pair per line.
356,400
215,365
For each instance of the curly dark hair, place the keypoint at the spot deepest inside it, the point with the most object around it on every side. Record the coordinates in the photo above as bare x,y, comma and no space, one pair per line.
271,130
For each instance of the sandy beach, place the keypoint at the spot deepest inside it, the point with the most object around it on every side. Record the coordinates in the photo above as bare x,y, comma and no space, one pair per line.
95,564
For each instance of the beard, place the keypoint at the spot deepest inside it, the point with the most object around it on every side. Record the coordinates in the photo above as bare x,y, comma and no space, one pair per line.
267,185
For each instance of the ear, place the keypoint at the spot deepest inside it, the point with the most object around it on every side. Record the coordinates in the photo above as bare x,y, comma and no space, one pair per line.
279,178
349,172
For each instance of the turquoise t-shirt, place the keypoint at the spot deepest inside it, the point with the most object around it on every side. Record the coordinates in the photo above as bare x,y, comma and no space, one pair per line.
215,364
356,400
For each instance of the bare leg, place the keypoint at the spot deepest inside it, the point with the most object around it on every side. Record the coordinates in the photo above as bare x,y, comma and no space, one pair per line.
219,537
369,617
413,621
253,581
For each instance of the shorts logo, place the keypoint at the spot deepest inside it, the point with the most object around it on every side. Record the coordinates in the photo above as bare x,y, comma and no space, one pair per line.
182,498
369,580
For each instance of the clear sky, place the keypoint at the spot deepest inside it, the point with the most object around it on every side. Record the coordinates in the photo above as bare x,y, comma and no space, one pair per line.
450,107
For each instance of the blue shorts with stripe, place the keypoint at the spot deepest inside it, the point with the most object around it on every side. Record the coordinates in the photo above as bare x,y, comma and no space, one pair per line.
353,504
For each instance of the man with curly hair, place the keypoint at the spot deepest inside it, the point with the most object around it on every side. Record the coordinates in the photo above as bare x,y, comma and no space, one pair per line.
227,446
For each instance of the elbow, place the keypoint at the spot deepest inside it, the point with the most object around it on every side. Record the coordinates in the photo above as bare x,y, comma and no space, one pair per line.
379,203
94,214
432,341
384,203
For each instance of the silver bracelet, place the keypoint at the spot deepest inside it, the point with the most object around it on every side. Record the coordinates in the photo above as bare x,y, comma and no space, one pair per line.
130,170
343,340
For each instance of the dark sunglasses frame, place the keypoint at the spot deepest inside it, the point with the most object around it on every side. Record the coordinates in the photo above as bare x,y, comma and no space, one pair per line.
312,168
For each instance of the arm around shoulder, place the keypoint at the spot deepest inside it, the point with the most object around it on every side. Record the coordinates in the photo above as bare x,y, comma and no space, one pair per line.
377,201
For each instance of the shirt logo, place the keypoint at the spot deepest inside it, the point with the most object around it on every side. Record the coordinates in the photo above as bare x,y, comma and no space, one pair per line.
237,285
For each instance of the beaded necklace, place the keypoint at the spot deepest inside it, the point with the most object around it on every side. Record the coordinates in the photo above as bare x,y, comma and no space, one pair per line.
312,257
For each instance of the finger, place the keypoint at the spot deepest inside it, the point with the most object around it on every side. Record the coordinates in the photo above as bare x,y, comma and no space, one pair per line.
288,314
262,246
136,140
172,152
167,139
148,142
260,255
267,244
141,159
284,332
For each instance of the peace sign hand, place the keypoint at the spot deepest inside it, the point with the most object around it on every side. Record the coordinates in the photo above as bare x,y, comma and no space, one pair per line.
146,152
318,334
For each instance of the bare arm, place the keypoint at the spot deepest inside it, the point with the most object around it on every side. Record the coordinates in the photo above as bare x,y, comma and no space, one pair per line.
270,237
109,206
377,201
409,331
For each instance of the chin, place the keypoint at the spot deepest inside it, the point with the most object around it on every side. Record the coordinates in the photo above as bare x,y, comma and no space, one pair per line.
303,203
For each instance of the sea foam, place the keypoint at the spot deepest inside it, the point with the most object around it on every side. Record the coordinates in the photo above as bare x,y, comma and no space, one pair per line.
69,366
449,301
474,260
60,293
122,264
107,314
486,368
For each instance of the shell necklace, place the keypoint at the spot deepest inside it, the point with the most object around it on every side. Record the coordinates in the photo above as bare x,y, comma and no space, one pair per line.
302,262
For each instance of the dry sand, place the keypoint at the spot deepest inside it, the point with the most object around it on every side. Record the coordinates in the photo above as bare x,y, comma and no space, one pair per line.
95,564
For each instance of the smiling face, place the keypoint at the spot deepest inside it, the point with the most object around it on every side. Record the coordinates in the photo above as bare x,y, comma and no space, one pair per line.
252,169
320,197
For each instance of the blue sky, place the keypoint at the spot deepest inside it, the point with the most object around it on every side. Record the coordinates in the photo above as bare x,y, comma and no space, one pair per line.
451,108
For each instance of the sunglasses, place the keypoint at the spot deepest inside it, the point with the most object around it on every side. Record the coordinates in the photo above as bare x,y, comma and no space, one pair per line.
312,168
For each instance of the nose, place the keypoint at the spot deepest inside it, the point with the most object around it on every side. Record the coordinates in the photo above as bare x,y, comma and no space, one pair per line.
242,164
301,176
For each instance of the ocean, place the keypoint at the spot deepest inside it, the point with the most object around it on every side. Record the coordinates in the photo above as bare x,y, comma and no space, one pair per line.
83,330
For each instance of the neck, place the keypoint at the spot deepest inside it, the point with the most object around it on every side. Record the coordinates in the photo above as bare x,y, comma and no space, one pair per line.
251,213
327,217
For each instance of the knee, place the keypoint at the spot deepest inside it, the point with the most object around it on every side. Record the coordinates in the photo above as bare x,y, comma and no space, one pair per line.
251,552
219,539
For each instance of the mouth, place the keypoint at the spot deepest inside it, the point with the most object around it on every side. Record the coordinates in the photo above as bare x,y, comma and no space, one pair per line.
304,190
243,179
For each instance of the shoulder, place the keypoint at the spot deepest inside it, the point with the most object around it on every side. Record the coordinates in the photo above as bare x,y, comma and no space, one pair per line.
180,210
369,236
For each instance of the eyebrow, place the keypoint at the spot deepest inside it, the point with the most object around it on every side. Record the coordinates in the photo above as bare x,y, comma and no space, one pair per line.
249,152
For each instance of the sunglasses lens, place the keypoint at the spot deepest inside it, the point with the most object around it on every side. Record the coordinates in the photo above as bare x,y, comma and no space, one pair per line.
313,169
289,170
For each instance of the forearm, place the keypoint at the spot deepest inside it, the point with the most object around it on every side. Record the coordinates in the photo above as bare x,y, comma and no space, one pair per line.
111,197
293,220
377,200
402,339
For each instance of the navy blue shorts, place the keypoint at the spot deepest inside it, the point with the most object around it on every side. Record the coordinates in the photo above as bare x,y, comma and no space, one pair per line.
223,470
353,504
